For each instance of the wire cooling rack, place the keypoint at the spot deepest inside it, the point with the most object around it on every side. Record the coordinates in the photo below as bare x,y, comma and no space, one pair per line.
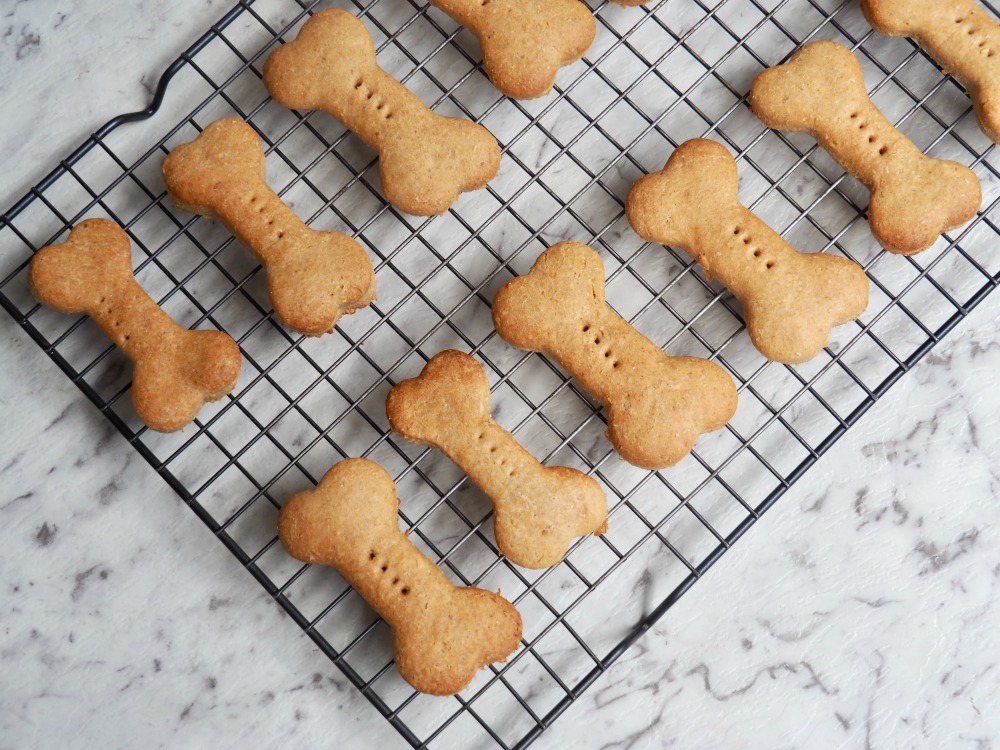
655,77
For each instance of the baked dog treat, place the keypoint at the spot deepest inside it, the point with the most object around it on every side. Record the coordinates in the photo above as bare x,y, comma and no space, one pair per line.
441,633
537,509
313,277
657,404
791,300
914,198
525,42
961,36
427,160
176,370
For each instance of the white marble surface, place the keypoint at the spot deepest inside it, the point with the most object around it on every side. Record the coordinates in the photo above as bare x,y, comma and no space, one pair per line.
859,613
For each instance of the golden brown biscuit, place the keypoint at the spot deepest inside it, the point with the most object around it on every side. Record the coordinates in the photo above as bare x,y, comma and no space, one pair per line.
176,370
525,42
427,160
441,633
657,404
791,300
313,277
914,198
961,36
537,509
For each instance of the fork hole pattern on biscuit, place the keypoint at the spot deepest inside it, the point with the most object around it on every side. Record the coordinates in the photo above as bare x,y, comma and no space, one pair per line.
615,363
270,222
757,252
503,459
380,103
116,323
984,44
373,557
872,139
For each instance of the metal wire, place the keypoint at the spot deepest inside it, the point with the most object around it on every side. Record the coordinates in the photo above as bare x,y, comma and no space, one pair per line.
655,77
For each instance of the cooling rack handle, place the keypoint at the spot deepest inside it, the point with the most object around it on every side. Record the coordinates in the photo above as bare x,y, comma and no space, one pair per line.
144,114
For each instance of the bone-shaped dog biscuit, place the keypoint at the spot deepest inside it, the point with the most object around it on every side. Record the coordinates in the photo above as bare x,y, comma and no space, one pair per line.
657,404
427,160
313,277
176,370
961,36
537,509
791,300
442,633
914,198
525,42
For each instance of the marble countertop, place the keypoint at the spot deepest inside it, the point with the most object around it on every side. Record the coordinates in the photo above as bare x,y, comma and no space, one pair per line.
860,612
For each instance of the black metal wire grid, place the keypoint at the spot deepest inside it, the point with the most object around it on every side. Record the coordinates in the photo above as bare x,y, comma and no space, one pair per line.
655,77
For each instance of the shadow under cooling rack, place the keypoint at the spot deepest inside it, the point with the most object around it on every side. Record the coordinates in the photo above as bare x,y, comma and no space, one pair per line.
656,76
